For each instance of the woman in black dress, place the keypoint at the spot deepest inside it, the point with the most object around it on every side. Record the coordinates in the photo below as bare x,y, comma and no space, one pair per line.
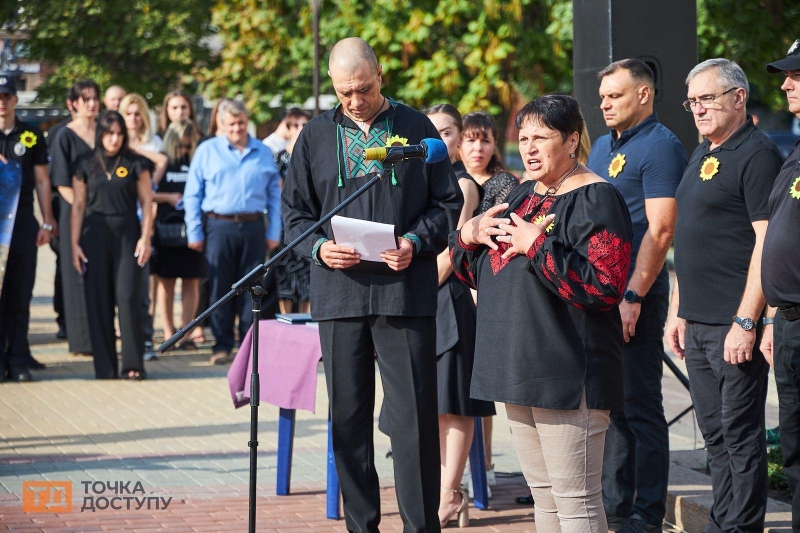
293,272
176,261
69,146
483,161
455,341
551,266
109,246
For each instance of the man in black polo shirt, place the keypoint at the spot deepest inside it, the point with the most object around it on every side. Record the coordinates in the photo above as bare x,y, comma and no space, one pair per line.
722,219
23,143
780,278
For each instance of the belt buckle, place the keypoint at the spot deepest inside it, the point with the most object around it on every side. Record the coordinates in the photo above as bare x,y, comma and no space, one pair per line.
236,218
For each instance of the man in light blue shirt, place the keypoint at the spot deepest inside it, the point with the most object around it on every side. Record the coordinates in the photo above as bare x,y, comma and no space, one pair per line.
232,182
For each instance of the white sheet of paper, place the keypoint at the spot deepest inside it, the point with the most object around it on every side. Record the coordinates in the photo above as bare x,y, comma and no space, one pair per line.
370,239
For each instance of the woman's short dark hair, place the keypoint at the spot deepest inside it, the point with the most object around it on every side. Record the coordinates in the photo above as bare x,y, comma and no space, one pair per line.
78,91
559,112
294,113
104,123
449,110
480,124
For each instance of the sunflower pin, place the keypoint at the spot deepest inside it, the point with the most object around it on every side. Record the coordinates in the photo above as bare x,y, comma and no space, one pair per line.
709,168
122,172
396,140
616,165
28,139
549,228
794,190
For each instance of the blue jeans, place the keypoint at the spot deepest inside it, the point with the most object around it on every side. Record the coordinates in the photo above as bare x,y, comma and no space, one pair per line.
636,458
786,353
232,250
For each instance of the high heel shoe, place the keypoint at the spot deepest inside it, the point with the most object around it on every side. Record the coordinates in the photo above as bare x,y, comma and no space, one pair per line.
462,511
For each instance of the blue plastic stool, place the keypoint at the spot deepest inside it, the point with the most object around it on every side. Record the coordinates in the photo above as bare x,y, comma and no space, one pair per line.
284,471
477,464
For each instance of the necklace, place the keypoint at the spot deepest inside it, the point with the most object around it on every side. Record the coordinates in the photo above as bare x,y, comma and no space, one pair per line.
551,191
362,124
108,172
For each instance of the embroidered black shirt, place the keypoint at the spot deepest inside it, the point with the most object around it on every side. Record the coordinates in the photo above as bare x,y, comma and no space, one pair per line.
25,143
327,166
548,324
721,193
780,262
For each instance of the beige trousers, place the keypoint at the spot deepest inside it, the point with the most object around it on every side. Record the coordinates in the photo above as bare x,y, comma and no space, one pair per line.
561,454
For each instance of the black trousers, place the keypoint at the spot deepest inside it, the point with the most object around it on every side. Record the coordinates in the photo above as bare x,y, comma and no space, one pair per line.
76,315
406,348
636,458
786,352
729,402
113,276
15,301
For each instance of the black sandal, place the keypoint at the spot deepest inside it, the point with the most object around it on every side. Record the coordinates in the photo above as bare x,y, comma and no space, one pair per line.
188,344
524,500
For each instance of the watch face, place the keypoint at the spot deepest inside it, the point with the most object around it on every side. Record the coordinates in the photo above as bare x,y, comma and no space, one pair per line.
629,296
747,324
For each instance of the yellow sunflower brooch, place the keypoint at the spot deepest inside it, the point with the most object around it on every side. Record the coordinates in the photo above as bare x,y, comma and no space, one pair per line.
396,140
794,190
616,165
28,139
549,228
122,172
709,168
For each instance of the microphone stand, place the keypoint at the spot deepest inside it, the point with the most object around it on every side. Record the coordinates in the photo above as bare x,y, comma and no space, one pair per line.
253,282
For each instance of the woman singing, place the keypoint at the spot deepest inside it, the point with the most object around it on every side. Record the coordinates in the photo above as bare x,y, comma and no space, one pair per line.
550,266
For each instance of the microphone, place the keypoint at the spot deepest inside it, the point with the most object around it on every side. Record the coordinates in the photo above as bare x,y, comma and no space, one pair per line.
430,150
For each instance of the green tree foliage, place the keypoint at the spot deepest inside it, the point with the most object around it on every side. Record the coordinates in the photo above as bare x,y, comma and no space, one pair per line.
752,33
475,54
147,46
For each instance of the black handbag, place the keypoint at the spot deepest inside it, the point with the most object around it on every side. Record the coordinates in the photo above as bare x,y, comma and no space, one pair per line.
171,231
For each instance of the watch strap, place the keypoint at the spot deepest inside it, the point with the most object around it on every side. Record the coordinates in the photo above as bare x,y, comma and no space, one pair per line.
768,320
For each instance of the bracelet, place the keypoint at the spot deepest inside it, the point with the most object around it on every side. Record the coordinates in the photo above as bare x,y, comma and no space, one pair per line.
768,320
47,227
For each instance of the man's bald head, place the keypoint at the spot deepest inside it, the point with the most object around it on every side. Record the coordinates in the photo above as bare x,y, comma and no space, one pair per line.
352,54
113,97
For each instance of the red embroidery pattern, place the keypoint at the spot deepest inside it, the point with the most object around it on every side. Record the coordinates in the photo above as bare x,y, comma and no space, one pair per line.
465,266
496,256
610,256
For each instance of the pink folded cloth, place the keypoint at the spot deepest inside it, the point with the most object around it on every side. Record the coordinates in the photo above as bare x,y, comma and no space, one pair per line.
287,366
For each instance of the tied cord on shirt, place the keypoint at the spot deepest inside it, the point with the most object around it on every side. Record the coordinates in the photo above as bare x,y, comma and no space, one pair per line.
551,191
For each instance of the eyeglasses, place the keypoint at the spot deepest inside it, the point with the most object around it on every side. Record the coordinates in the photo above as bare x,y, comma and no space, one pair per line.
707,100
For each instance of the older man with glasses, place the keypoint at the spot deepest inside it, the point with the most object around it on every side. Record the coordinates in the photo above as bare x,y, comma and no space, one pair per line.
714,317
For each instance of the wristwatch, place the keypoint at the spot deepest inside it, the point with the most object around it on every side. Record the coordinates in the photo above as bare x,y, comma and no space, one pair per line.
746,323
48,227
768,320
631,297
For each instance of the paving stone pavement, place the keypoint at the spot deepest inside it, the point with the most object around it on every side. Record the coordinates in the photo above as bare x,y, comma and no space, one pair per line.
178,434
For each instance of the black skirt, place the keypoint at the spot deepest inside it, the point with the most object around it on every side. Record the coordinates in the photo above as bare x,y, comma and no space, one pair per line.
179,262
455,346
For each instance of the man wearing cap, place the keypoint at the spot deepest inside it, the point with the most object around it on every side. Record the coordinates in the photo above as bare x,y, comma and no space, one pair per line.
717,300
645,161
25,144
780,279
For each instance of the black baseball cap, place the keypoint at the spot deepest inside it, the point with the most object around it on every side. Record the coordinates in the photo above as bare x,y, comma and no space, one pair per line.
7,85
792,61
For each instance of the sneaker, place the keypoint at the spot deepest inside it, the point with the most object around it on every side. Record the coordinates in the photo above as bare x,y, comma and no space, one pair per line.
637,524
220,358
615,522
20,375
466,481
490,477
149,353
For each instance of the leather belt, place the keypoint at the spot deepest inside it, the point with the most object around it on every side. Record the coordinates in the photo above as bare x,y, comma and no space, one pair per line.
790,313
239,217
